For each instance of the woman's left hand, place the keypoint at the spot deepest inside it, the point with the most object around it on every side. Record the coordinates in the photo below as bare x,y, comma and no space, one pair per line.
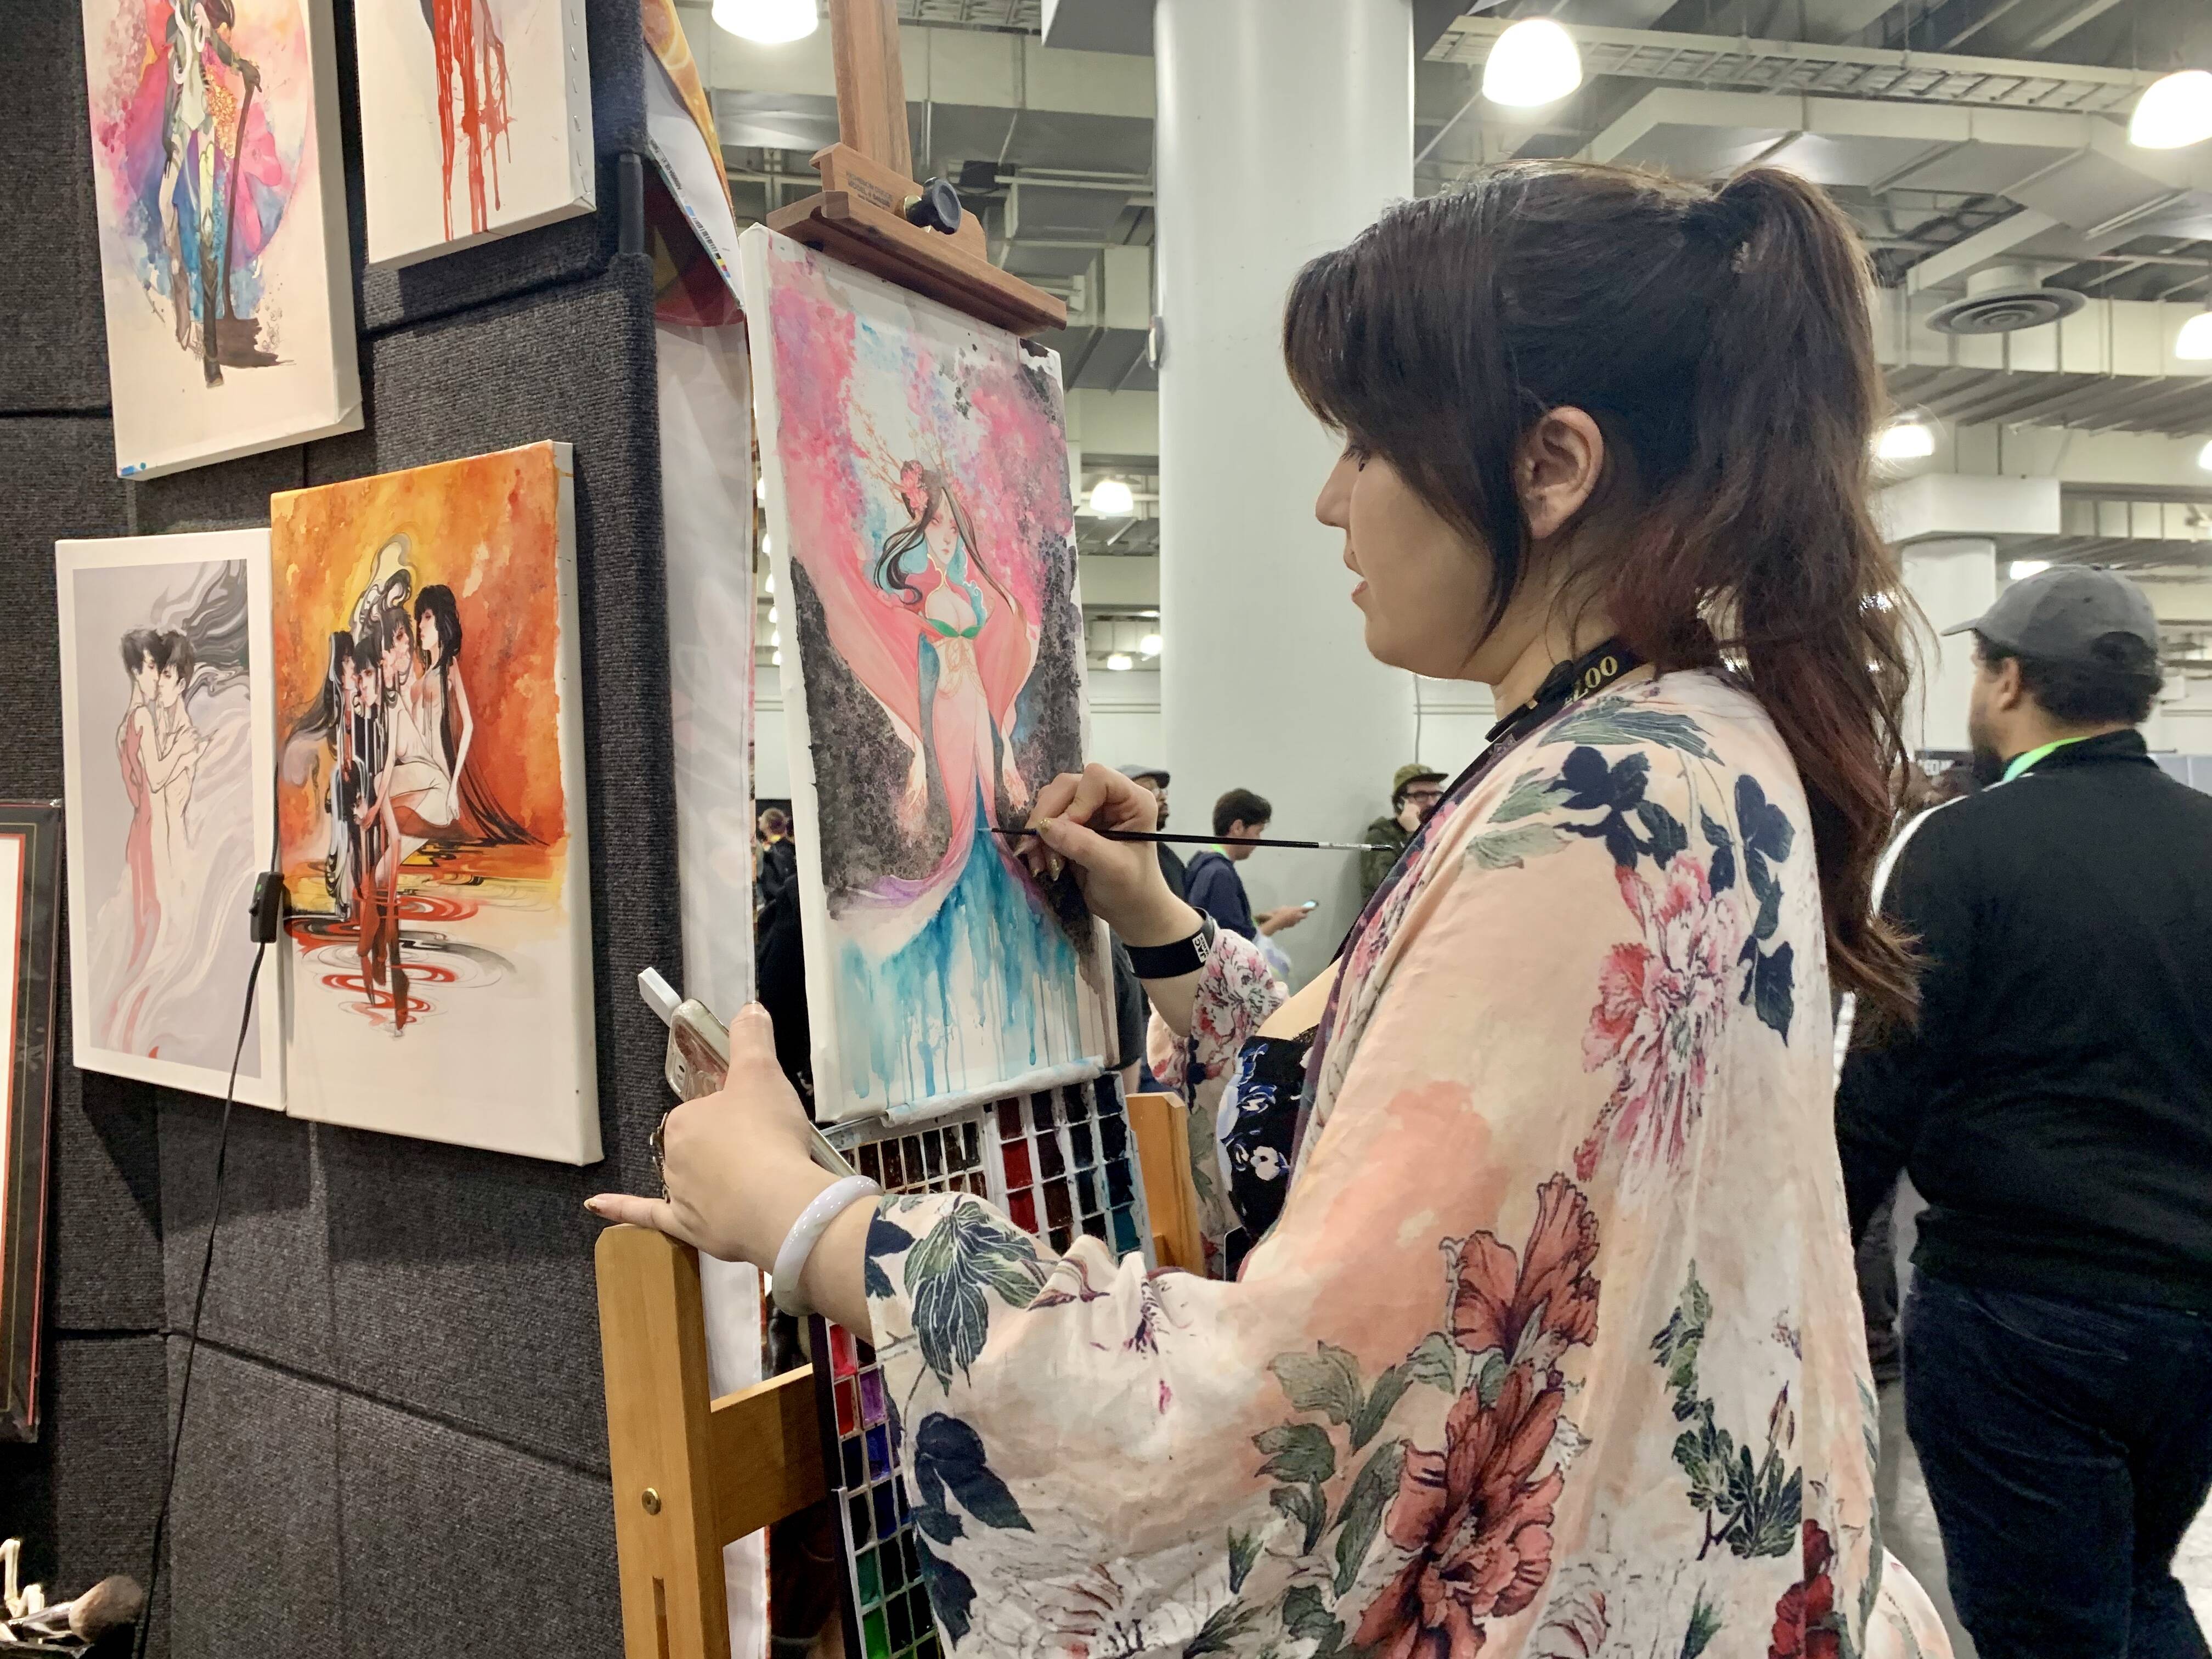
737,1165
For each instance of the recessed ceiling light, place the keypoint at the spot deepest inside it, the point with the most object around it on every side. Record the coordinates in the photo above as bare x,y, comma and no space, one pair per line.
1119,662
2020,569
1904,439
1149,645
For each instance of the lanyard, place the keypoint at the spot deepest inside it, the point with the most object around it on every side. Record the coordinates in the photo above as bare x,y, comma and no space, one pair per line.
2021,763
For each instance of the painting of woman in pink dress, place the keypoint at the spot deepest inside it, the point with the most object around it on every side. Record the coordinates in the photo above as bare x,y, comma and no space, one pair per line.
921,521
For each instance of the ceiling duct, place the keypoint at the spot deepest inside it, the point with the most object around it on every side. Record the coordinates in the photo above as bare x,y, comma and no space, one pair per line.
2003,300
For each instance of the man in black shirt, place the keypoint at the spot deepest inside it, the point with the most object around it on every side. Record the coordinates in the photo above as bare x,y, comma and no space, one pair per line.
1155,778
2054,1106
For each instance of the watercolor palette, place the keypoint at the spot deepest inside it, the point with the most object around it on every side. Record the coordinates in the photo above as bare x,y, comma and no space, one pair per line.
1062,1164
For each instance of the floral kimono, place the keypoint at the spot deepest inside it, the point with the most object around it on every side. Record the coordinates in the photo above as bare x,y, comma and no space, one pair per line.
1554,1349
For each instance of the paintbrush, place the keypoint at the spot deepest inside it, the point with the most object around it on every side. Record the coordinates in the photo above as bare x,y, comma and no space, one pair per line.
1217,840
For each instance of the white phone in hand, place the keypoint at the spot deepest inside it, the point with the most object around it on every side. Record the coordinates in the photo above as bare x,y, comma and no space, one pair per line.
698,1055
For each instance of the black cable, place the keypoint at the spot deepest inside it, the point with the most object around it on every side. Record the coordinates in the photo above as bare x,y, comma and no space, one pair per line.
199,1302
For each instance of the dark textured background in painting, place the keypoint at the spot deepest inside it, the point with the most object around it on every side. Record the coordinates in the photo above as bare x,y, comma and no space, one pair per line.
397,1441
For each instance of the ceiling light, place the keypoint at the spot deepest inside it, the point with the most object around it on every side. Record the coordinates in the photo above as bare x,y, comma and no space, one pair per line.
1149,645
768,22
769,587
2174,110
2194,343
1905,439
1112,498
1119,662
772,618
776,636
2204,455
1532,62
765,544
2020,569
776,657
760,488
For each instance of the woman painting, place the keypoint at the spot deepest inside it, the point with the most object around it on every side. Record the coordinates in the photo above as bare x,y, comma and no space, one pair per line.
932,567
1554,1347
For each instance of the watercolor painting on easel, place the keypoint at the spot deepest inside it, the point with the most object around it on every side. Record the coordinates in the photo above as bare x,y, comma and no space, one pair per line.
475,122
430,805
921,531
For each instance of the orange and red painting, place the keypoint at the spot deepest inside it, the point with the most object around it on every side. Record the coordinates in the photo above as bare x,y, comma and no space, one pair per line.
430,804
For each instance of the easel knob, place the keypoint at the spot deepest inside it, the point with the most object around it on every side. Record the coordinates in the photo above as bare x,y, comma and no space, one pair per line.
937,208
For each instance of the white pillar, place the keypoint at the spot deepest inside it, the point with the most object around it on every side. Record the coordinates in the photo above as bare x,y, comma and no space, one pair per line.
1284,127
1955,579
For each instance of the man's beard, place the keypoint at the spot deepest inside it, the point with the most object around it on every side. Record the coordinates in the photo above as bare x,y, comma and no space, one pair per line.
1988,765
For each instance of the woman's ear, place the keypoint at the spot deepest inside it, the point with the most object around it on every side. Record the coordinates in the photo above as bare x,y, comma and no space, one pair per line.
1556,469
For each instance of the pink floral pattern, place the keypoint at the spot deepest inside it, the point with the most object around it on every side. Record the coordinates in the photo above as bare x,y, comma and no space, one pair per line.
1663,1003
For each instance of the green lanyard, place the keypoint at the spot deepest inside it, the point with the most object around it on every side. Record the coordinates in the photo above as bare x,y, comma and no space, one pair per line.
2021,763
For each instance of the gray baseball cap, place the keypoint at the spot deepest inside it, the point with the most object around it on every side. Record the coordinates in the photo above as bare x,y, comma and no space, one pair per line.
2060,614
1138,774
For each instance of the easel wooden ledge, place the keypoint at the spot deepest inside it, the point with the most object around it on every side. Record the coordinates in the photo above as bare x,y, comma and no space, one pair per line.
691,1474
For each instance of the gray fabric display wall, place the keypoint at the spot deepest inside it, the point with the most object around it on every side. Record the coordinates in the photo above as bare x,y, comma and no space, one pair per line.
396,1443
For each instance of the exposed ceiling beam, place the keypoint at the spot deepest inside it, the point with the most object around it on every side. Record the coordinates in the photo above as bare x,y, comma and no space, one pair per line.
2045,38
1979,249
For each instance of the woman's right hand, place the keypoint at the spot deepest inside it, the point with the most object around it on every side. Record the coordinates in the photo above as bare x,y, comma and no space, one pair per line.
1120,880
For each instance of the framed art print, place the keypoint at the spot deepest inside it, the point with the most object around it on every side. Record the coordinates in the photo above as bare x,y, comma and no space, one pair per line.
170,733
30,935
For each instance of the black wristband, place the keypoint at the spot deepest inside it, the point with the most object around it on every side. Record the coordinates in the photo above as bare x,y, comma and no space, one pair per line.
1185,955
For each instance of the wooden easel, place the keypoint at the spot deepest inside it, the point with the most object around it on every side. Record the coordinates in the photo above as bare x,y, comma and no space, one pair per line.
691,1474
871,213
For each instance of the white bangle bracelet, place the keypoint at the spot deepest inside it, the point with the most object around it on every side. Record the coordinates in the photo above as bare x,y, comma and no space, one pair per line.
814,1221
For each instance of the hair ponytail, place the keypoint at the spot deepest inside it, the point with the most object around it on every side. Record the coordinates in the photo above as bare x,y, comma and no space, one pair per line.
1720,340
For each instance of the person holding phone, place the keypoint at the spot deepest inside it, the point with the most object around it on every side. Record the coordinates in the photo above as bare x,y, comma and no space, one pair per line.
1553,1345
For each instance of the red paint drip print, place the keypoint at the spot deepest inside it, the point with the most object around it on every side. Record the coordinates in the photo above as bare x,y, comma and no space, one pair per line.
471,62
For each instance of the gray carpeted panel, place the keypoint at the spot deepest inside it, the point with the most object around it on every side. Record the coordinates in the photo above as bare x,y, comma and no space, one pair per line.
53,350
82,1498
60,481
269,1290
254,1567
468,1550
461,1281
461,1287
230,496
567,251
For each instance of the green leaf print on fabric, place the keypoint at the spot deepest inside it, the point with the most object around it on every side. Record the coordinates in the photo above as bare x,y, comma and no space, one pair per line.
1612,721
1326,1380
1705,1624
1298,1452
1508,850
1531,793
1371,1491
1752,1506
971,1249
1306,1505
1244,1550
1222,1627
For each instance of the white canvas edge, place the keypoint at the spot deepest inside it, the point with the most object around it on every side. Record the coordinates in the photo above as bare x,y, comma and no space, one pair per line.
832,1093
832,1096
577,1140
337,279
583,161
71,556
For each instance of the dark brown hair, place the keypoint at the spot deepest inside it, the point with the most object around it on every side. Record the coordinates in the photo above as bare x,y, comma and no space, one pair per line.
1720,339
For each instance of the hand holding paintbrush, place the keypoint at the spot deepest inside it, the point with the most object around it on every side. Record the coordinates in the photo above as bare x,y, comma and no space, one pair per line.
1101,827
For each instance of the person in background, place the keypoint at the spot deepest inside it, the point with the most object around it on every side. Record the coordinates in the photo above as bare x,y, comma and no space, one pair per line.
1155,778
1214,885
1414,793
2053,1104
778,867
